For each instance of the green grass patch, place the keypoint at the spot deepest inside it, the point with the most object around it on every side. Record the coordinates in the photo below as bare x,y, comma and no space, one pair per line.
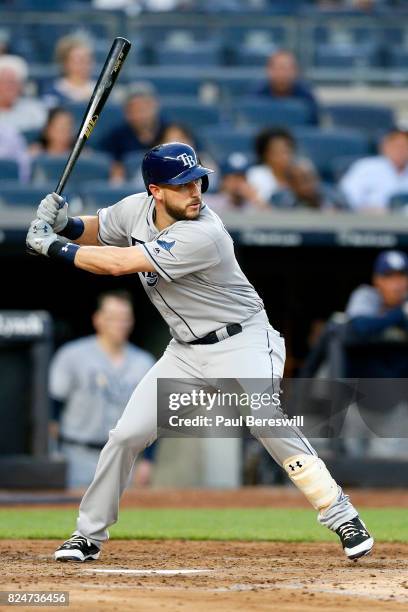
285,525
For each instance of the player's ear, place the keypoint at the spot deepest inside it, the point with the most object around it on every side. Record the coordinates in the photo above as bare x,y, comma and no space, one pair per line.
155,191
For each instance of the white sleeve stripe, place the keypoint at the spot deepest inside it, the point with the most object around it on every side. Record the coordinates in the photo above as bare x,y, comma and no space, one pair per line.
100,227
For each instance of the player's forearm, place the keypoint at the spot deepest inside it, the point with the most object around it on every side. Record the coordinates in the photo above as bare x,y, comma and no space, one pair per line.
111,260
90,233
81,230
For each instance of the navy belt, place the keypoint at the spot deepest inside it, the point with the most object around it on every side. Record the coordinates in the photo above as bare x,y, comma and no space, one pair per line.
221,334
90,445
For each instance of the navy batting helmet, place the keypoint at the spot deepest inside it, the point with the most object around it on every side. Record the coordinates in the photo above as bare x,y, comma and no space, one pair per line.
173,163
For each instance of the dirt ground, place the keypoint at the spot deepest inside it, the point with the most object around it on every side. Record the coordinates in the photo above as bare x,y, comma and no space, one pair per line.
236,576
225,576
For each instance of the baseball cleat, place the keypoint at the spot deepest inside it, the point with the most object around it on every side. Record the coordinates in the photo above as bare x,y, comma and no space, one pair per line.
77,548
355,539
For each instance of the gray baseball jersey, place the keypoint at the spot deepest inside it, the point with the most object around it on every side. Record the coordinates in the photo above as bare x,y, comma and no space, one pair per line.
93,388
198,286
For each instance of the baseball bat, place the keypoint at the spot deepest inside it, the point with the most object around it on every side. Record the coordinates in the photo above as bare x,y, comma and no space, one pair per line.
107,78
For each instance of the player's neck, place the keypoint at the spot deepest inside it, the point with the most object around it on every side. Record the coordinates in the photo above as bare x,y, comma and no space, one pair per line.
162,219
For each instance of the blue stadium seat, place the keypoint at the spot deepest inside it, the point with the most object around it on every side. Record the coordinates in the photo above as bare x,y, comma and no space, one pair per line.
347,56
98,194
231,86
398,58
49,168
340,165
287,112
12,193
32,136
200,54
256,36
244,56
8,170
111,116
323,146
193,114
361,116
221,142
399,203
133,163
176,86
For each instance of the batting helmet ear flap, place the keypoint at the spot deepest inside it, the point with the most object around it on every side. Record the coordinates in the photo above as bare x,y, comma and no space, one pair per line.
205,183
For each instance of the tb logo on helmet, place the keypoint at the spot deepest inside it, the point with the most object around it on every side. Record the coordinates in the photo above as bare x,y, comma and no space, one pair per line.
188,160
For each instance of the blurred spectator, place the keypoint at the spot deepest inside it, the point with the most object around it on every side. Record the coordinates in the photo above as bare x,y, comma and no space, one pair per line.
378,318
235,193
91,380
16,110
307,191
283,82
14,147
177,132
275,150
57,135
370,182
373,309
138,132
75,58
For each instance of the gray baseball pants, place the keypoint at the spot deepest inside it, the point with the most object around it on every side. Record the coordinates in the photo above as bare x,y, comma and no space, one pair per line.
258,352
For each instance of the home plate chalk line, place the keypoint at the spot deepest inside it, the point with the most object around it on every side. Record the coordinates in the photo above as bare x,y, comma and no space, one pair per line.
147,572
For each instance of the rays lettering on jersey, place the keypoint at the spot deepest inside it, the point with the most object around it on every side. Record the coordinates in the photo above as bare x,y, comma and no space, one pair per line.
151,278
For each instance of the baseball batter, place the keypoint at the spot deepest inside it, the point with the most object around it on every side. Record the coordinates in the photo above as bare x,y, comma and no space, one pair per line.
185,259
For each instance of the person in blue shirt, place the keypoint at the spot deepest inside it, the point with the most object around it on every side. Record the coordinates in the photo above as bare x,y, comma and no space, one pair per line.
374,308
283,81
138,131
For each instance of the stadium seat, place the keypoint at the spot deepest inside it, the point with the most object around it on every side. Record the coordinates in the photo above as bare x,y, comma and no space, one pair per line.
398,58
361,116
31,136
49,168
176,86
346,56
244,56
97,194
322,146
258,112
111,116
340,165
132,163
200,54
8,170
221,142
12,193
193,114
399,203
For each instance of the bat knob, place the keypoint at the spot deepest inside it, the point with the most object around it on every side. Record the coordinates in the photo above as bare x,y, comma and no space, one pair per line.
63,201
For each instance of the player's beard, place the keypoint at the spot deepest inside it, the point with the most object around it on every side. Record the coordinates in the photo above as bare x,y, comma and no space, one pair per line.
183,214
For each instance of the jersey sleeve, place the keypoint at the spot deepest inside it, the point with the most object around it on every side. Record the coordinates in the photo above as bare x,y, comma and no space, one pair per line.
112,225
182,251
61,376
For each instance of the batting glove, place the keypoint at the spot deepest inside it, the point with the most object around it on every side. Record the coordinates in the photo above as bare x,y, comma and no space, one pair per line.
40,236
53,209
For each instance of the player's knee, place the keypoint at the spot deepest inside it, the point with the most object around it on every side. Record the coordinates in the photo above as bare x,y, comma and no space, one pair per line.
311,476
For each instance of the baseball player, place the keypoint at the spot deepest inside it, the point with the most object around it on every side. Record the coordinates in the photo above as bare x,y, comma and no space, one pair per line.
91,379
185,259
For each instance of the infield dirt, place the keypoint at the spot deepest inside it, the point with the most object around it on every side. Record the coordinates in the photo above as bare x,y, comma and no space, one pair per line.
238,576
